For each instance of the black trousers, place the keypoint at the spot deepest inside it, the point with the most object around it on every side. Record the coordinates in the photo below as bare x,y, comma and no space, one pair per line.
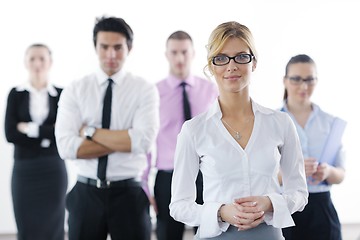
38,188
166,227
122,212
318,221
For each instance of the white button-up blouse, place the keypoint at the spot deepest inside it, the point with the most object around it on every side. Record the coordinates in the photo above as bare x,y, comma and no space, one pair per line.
230,172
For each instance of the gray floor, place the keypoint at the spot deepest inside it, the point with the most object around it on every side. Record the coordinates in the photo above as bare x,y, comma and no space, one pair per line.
350,232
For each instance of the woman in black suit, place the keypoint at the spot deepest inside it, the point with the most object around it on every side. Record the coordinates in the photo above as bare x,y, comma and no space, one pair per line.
39,178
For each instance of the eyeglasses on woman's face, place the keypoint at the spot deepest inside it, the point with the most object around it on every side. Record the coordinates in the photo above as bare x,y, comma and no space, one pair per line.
242,58
297,80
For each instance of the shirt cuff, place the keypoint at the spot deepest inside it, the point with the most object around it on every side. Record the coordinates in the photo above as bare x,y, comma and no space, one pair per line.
32,130
281,216
209,225
45,143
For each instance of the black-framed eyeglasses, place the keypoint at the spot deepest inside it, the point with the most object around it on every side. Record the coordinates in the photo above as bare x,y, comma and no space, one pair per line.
297,80
242,58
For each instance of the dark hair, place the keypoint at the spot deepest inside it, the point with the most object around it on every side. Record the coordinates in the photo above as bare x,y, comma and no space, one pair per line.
113,24
35,45
180,35
301,58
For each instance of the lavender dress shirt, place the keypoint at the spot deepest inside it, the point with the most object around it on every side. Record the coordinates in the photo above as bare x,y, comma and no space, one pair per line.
201,94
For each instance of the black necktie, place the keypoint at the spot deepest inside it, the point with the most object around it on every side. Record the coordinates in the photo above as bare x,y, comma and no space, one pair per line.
186,104
101,172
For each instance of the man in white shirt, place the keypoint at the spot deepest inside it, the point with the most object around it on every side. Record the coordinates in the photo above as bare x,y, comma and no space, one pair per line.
107,121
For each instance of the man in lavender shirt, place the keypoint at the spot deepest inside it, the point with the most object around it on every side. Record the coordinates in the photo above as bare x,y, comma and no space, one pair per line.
200,93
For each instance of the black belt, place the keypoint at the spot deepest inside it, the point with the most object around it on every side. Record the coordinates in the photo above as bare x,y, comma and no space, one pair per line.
131,182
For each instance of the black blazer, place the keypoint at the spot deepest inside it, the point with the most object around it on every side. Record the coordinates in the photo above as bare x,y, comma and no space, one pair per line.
18,110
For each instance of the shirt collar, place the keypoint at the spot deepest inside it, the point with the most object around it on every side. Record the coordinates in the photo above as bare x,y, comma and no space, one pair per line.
258,108
102,77
215,110
174,81
315,111
27,87
315,108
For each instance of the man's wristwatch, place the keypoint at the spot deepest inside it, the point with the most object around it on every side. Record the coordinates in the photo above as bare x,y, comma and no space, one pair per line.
89,132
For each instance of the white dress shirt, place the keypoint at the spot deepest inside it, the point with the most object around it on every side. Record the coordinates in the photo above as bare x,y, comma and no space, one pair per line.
135,106
231,172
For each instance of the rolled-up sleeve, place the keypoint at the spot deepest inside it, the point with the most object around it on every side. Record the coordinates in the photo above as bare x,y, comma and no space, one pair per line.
146,120
68,123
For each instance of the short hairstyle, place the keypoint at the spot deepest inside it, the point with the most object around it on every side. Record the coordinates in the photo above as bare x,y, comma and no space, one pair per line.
179,35
226,31
113,24
300,58
35,45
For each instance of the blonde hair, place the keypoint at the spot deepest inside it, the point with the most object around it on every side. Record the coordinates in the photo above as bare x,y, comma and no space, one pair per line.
221,34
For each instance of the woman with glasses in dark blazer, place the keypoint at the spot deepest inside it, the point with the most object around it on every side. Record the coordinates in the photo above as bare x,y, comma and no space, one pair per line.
39,178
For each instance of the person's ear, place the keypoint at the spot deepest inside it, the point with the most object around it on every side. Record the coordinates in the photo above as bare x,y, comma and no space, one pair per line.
253,66
193,53
129,50
211,69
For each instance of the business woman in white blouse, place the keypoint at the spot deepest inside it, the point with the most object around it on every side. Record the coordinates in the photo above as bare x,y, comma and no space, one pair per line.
239,146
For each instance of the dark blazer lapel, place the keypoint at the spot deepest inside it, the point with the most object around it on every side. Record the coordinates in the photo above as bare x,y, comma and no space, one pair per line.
25,106
52,109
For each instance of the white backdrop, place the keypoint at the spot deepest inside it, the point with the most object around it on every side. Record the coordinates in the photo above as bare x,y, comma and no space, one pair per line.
327,31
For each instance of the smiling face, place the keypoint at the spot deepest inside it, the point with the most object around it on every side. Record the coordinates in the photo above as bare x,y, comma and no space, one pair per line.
233,77
112,51
300,92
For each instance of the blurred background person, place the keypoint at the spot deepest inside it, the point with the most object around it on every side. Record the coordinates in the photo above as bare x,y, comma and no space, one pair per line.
107,123
316,128
182,96
39,178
